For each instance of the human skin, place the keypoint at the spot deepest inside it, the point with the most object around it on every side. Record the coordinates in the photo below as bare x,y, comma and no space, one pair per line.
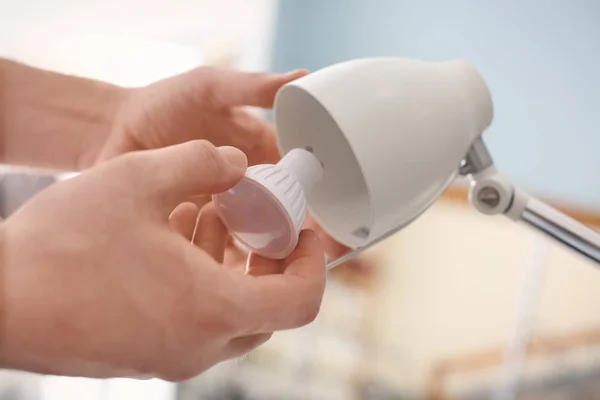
97,281
108,274
63,122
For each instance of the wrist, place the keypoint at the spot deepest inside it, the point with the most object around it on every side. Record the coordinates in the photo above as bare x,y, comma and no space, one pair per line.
3,361
102,116
7,360
52,120
20,306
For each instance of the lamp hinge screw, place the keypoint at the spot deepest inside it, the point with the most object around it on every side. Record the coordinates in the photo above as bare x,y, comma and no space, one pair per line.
489,196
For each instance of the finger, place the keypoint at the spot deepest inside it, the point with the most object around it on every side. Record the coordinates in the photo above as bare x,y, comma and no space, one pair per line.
172,175
211,235
250,133
229,88
293,298
183,219
332,248
200,201
260,266
236,257
256,137
243,345
115,146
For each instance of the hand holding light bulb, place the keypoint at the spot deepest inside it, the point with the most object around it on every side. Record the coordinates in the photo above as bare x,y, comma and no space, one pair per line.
119,290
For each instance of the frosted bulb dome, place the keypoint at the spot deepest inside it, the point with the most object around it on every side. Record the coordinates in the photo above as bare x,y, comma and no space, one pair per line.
265,211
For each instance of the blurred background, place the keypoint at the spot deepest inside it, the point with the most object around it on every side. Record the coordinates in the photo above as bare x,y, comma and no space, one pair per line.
455,306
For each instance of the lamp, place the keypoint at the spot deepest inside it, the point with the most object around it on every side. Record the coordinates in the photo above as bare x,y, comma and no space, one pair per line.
391,134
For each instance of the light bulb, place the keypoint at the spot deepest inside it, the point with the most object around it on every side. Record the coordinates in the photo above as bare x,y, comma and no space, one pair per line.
265,211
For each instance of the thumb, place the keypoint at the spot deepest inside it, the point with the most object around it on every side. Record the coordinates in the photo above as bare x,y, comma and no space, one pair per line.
191,169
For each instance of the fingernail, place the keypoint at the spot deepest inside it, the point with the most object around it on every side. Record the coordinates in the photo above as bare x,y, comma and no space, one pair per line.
299,71
235,156
309,234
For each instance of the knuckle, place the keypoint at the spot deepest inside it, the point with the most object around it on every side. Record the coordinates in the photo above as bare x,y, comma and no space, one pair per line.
134,166
202,145
246,344
264,339
178,374
206,71
206,84
310,312
207,158
256,342
132,160
208,154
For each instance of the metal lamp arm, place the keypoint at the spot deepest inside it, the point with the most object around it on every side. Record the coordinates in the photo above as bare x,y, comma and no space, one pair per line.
491,193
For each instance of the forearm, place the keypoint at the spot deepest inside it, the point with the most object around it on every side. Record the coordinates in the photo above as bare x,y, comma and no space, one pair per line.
51,120
3,313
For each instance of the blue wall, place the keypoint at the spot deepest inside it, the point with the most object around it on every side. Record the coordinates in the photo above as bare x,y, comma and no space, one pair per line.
541,60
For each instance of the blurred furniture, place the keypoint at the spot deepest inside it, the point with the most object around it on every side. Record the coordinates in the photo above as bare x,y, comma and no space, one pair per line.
491,359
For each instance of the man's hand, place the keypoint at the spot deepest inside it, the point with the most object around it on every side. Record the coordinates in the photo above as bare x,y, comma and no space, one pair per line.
98,281
63,122
205,103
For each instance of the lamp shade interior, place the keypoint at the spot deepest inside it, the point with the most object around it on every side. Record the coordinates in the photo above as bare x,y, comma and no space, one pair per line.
340,201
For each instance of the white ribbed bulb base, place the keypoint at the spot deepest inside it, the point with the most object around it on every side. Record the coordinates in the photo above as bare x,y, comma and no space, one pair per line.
265,211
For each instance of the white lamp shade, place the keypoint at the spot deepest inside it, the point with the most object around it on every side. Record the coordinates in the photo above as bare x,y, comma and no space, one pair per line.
390,133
